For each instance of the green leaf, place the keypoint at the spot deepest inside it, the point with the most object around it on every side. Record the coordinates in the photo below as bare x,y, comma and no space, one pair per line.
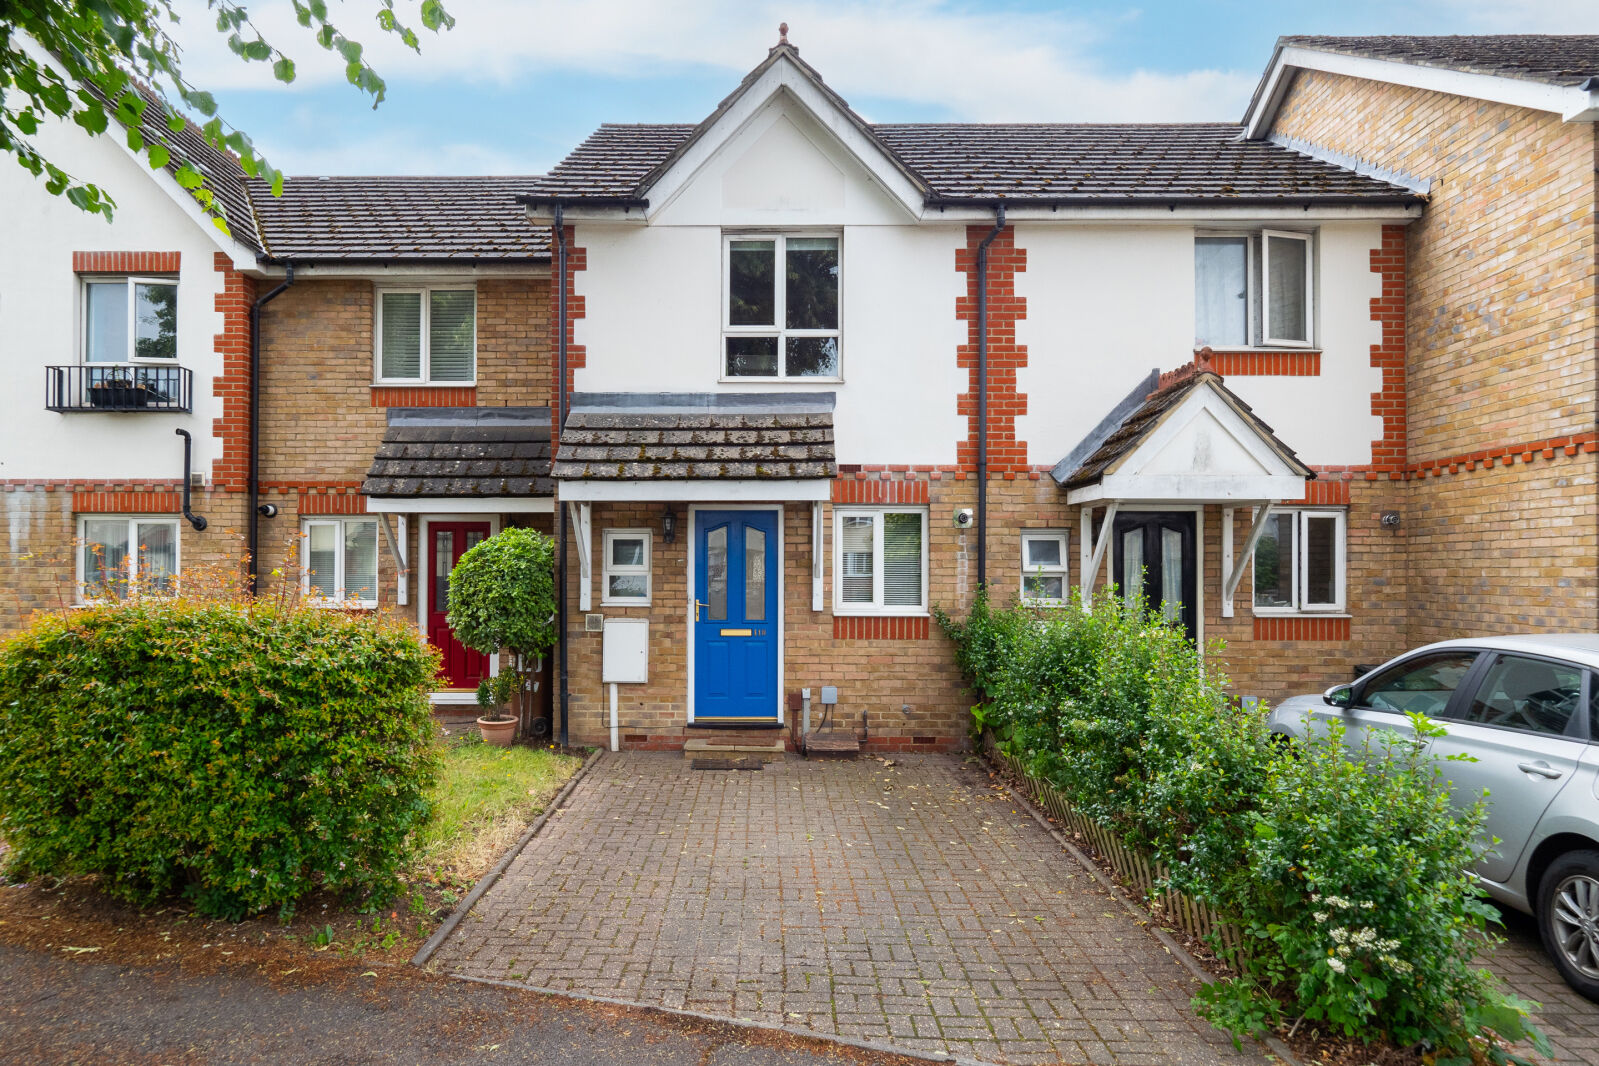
188,177
283,70
159,156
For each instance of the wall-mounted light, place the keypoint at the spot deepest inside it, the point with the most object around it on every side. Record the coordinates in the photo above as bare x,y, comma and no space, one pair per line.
669,526
1390,520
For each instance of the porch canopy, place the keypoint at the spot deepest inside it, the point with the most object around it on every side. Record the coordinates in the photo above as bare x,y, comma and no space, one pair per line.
489,460
1181,438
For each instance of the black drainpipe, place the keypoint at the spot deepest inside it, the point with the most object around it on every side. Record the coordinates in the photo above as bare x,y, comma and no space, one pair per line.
256,507
982,394
197,521
560,424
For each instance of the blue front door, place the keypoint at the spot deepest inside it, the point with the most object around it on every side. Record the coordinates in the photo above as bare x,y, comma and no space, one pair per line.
735,612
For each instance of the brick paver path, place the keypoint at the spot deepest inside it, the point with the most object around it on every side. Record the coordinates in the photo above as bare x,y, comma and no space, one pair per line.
909,903
1570,1021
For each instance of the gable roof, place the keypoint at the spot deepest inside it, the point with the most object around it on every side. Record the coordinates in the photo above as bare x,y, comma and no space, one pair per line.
1542,72
1553,59
1118,437
384,218
1020,163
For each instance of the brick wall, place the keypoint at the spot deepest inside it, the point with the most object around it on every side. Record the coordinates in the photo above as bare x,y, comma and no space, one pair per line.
1502,338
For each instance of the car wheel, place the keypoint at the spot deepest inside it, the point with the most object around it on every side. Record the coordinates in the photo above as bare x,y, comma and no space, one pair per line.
1568,919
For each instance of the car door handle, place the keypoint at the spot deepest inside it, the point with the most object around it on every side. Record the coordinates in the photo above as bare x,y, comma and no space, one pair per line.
1541,768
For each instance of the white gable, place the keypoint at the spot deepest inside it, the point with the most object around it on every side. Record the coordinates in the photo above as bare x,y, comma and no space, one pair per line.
780,153
1203,450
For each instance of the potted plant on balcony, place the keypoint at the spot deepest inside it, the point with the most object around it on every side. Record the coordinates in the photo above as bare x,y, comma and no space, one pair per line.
497,725
502,599
117,390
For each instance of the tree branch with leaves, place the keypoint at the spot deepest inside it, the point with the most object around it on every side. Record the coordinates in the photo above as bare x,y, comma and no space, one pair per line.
97,63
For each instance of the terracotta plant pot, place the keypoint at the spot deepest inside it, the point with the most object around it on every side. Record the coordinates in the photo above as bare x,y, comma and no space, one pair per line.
498,733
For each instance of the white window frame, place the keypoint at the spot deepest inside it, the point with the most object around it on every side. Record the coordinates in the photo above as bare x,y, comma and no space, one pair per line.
1299,568
338,562
134,521
780,307
425,363
876,607
647,569
1304,239
1062,538
1257,284
130,280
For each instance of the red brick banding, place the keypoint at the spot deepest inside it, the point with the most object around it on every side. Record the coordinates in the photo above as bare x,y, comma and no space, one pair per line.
125,262
424,396
126,502
1322,493
1266,364
872,627
1007,456
879,491
1297,627
341,502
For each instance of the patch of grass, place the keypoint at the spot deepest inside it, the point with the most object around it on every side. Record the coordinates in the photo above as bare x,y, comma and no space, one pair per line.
484,799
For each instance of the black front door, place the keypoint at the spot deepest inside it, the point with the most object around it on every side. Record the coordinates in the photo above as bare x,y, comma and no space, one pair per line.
1155,555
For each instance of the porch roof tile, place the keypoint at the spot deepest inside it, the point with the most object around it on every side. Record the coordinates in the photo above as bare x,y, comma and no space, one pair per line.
472,452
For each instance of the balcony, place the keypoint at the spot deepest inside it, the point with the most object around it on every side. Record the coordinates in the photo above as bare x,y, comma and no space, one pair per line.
118,387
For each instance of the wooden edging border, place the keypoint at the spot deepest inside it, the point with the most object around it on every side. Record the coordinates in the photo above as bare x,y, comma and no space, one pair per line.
1115,891
486,882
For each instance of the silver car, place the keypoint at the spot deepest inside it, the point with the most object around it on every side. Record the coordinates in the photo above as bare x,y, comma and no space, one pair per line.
1527,710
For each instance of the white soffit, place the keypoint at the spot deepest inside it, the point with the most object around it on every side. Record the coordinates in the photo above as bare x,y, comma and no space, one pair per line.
1571,103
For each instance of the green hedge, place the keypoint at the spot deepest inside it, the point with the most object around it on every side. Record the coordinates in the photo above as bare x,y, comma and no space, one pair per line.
1346,873
239,755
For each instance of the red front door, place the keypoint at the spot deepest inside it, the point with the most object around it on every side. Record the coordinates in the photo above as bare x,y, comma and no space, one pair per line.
447,541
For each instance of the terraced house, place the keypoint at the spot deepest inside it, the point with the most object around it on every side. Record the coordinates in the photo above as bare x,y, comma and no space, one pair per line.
1321,384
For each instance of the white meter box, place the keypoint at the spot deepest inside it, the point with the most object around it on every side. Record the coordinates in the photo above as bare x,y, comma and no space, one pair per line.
625,653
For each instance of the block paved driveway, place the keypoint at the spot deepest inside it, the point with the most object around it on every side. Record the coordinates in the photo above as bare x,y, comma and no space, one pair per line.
909,904
1571,1022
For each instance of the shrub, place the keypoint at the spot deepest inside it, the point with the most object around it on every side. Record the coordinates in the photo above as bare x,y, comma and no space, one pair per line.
238,754
1347,872
502,595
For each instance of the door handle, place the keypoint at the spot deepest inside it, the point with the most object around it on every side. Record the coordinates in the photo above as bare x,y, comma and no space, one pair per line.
1541,768
697,606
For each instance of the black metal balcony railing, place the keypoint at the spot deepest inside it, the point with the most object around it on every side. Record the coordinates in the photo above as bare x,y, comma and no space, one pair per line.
117,387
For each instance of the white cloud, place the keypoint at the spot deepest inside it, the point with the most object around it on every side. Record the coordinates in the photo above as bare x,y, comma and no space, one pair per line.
979,66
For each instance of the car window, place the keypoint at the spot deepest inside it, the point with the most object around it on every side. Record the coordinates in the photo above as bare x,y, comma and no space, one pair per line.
1422,685
1532,694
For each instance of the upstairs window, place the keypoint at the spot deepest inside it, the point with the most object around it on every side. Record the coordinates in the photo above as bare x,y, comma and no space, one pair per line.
781,323
880,561
1299,562
1253,289
427,336
130,320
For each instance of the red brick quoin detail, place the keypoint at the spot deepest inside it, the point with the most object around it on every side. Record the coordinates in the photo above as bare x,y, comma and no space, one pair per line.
423,396
125,262
852,627
231,473
1301,628
576,308
1388,310
332,503
1266,364
849,490
126,503
1006,454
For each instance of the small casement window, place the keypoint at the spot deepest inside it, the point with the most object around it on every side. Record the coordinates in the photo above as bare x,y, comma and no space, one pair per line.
627,568
1253,289
341,561
130,320
427,336
780,323
879,561
118,555
1044,567
1299,562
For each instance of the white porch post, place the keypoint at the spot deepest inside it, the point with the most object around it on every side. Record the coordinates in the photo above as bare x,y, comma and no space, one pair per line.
581,516
1232,574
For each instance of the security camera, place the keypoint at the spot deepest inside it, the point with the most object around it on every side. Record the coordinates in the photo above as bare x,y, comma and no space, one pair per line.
963,517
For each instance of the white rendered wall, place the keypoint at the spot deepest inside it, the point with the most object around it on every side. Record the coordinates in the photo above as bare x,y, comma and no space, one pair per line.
40,314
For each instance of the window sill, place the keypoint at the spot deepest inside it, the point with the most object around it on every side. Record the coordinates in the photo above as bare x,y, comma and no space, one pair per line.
424,384
841,612
779,381
1261,349
1283,612
624,603
341,605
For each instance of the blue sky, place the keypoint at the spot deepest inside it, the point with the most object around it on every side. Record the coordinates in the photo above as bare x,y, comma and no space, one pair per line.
517,83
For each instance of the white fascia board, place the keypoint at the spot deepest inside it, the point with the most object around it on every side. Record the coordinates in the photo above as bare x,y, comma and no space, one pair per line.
1188,489
440,270
1572,104
544,214
784,75
460,505
731,490
1219,213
